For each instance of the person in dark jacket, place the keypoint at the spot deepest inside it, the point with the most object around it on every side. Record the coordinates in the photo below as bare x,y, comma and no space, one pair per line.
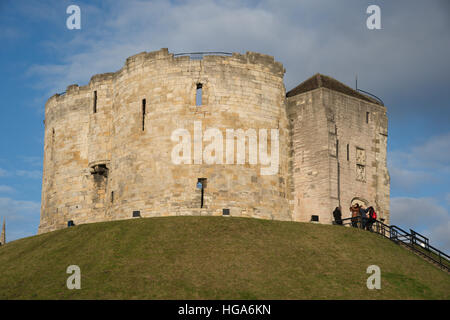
337,214
371,219
363,214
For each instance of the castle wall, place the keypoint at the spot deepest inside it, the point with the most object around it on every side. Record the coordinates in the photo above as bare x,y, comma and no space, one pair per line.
109,145
239,92
65,188
323,123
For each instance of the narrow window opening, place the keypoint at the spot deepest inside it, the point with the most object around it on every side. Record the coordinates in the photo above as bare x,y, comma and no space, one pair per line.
95,101
367,117
201,184
199,94
348,152
112,196
337,148
53,144
143,113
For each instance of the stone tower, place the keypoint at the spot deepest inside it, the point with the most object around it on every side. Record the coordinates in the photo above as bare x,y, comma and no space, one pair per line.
109,146
339,142
3,235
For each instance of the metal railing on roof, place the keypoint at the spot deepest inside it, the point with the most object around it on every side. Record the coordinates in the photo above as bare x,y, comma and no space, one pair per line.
200,55
372,96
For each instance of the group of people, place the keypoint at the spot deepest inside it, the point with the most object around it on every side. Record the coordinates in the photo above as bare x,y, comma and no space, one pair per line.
359,214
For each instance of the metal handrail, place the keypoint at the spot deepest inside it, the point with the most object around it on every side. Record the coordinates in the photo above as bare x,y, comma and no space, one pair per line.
372,95
399,235
420,238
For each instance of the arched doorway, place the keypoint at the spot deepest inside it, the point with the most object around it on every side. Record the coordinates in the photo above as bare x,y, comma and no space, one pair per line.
361,201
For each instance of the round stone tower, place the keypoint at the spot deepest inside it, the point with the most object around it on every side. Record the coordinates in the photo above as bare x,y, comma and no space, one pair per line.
169,135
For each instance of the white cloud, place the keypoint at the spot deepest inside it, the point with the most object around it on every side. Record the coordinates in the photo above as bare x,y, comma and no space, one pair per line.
405,179
10,33
416,212
19,210
428,162
21,217
31,174
6,189
424,215
433,153
32,160
307,37
441,235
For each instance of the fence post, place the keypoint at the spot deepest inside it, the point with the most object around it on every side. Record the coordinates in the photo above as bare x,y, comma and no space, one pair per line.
393,234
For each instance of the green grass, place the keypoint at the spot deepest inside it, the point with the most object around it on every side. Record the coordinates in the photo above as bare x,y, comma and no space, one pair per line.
214,258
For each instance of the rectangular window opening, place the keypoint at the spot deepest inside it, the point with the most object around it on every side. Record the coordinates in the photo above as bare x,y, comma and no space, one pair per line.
53,144
348,152
95,101
367,117
199,94
315,218
136,214
143,113
201,184
337,148
112,196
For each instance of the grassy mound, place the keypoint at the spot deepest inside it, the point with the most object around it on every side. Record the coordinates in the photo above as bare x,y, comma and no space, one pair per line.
214,258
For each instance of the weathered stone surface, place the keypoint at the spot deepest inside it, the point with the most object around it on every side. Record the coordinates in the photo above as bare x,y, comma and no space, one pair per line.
100,165
333,144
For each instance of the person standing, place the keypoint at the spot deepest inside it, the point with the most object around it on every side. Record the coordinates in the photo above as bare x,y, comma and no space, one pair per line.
363,214
355,213
337,214
372,218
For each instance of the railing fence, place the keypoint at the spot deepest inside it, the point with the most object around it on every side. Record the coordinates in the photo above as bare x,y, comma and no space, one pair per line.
412,239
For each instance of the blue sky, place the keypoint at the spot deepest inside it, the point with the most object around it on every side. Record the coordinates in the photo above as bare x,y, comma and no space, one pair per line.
405,63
